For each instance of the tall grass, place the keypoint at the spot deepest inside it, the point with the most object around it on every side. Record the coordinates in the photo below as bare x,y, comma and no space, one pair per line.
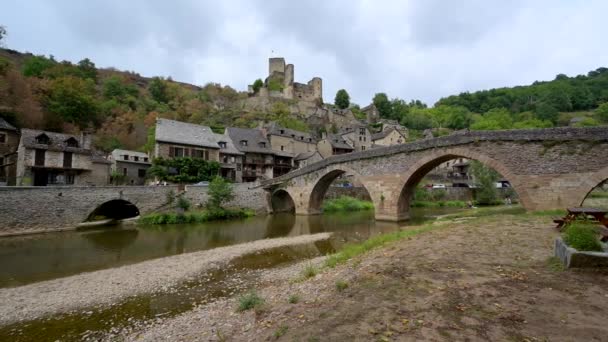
583,236
196,217
346,203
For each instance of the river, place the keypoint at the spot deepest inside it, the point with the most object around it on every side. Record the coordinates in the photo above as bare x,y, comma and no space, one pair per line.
32,258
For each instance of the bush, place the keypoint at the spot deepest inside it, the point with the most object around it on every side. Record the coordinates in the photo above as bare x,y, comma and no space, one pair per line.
220,192
341,285
293,299
309,271
183,203
249,301
196,217
346,203
582,236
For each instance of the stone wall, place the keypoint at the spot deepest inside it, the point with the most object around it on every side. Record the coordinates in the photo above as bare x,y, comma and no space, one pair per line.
26,210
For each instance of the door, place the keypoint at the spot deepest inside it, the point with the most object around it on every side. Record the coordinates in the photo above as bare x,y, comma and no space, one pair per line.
40,178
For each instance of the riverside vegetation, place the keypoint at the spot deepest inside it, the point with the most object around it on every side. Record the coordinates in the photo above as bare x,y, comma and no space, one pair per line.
220,192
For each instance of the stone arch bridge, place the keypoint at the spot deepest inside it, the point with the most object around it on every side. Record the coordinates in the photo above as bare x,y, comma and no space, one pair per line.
548,168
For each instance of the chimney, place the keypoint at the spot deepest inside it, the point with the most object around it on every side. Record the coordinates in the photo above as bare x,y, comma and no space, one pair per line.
86,139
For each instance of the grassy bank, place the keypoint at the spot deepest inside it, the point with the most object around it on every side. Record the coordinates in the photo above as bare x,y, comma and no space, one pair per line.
196,217
438,204
346,203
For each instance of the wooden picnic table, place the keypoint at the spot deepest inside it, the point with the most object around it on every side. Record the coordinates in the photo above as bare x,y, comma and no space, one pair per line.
592,214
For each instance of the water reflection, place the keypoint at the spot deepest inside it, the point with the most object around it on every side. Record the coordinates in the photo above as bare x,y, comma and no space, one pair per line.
39,257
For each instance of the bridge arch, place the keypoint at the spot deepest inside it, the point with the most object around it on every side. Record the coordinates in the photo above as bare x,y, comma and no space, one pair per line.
116,209
321,185
423,166
281,201
596,179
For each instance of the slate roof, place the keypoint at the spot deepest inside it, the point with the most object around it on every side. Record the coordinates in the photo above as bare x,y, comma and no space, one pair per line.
253,137
57,141
384,134
275,129
337,141
230,148
177,132
6,126
305,155
99,157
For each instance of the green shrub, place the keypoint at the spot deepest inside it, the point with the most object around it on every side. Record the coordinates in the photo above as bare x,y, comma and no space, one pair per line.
249,301
196,217
582,236
309,271
293,299
183,203
341,285
346,203
280,331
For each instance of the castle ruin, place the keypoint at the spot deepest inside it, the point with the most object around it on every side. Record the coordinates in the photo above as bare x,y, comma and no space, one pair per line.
280,84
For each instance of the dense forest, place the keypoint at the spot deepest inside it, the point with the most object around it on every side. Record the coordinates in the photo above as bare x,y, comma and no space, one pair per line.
542,104
122,107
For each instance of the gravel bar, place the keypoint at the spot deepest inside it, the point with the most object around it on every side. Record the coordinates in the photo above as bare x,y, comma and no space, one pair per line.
109,286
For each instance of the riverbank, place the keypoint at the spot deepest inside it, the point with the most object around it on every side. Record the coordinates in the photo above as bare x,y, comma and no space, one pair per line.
110,286
485,274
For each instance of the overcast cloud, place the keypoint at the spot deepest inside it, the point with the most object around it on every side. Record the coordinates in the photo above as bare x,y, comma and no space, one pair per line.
408,49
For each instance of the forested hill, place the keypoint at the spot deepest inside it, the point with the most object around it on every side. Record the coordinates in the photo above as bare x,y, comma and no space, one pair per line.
563,94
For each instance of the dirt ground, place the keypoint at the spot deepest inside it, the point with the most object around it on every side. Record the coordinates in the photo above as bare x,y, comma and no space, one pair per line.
476,279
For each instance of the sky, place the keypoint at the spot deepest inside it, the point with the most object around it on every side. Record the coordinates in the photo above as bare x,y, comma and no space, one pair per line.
425,49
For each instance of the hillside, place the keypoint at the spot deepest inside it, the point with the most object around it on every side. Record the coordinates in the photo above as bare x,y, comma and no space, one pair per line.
121,107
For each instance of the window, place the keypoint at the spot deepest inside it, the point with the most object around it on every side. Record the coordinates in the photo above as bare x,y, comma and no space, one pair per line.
225,159
39,157
178,152
125,157
69,178
198,154
238,167
243,142
359,138
67,159
124,171
206,155
1,161
362,131
232,160
222,144
43,139
135,158
282,148
282,131
262,144
72,142
2,138
145,159
141,173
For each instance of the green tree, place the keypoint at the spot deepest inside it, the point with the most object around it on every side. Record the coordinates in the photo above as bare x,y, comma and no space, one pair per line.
494,119
601,112
342,99
587,122
73,99
532,123
36,65
88,69
220,192
116,87
486,178
546,111
418,118
158,90
257,84
383,105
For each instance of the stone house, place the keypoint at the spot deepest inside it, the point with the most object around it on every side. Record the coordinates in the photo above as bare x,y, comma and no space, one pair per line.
180,139
333,144
358,136
133,165
9,141
306,158
371,112
48,158
260,161
288,140
388,137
